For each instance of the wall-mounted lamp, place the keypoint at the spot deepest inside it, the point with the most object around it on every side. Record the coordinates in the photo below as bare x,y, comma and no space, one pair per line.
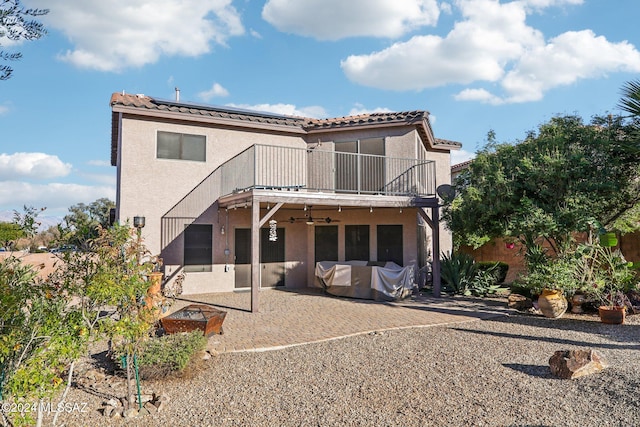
339,208
370,209
138,222
222,230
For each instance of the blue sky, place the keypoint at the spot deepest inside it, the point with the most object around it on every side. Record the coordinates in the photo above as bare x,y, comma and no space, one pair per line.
476,65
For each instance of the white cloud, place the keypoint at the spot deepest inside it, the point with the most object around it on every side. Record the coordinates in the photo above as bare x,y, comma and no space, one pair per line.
337,19
477,48
99,163
313,111
3,109
481,95
105,179
32,165
572,56
56,197
493,45
216,91
359,109
461,156
118,34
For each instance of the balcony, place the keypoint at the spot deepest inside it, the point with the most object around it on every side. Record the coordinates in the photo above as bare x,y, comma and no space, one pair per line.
305,171
271,167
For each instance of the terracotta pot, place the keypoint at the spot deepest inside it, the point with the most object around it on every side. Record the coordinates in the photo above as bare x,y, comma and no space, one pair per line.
612,315
552,303
576,303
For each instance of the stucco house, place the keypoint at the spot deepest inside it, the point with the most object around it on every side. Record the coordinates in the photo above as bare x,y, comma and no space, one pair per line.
238,199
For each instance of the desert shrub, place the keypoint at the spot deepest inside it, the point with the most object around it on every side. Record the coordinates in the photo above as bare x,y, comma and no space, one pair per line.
501,269
462,275
457,270
169,355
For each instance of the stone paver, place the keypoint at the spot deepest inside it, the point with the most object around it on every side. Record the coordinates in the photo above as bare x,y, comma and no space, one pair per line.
295,317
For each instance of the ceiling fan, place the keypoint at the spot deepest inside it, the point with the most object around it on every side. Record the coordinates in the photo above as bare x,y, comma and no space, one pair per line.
308,218
311,220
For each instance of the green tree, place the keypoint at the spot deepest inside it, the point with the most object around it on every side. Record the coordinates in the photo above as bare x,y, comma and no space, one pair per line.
9,232
84,222
17,23
109,284
566,177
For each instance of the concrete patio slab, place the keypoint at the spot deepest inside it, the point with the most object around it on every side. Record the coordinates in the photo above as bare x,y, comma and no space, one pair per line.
288,318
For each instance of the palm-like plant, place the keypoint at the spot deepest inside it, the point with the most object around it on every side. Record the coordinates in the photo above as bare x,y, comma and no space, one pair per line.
630,101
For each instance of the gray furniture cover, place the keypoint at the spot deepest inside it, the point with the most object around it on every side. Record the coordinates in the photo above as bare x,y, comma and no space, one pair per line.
356,279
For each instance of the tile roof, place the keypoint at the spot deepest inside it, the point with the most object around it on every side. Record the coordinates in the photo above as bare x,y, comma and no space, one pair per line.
458,167
407,117
149,103
417,118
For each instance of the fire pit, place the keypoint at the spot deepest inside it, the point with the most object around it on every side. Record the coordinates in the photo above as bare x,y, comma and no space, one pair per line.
195,317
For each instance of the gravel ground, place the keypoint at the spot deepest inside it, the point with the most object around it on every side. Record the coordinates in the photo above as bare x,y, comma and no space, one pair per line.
481,373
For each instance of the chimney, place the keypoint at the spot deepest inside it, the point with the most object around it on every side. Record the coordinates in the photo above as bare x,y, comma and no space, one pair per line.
177,94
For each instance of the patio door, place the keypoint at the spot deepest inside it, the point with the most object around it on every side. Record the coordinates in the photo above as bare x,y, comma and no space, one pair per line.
360,167
390,245
271,258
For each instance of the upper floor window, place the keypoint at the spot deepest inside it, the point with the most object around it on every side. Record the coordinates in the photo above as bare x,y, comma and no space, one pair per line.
181,146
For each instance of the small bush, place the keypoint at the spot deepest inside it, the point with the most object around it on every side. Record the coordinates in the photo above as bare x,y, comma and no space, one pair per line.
457,270
501,269
462,275
169,355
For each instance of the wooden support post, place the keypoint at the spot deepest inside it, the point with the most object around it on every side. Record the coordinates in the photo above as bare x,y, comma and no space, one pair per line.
435,266
255,255
434,224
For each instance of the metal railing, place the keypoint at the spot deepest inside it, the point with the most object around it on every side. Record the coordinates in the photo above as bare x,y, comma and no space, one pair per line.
272,167
275,167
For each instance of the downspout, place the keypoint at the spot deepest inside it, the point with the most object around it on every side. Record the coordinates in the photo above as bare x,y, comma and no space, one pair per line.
119,167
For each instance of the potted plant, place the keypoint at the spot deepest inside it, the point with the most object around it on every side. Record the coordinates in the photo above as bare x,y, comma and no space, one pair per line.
614,310
607,276
553,281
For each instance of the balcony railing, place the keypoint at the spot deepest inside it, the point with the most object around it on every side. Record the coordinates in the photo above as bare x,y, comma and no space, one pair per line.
274,167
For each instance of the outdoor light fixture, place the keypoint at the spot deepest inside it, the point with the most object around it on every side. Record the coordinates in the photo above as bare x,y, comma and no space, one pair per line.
310,221
138,221
370,209
339,208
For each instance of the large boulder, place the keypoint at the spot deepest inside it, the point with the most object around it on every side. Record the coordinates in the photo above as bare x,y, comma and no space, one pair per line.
569,364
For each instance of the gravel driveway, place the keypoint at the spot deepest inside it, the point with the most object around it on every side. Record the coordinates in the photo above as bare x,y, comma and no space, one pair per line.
482,373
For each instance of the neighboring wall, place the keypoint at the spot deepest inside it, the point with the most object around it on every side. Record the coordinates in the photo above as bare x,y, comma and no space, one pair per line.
497,250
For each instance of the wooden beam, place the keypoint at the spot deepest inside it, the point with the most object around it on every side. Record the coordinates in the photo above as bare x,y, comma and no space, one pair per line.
434,224
271,213
255,255
435,265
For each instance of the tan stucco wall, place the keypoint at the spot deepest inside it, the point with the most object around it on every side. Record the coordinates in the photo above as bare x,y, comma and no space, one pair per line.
150,187
299,244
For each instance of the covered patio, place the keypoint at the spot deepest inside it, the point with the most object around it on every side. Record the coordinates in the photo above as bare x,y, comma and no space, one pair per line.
289,318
